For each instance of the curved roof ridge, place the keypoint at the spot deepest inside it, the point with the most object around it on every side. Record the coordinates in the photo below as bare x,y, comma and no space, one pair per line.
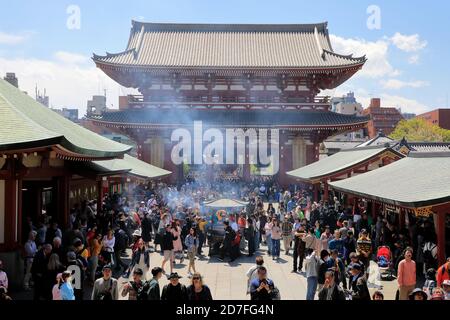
237,27
348,56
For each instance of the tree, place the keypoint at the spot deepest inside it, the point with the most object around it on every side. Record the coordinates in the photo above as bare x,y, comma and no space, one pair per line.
418,129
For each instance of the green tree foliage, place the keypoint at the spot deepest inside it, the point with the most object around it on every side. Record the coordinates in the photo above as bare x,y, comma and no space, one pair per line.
417,129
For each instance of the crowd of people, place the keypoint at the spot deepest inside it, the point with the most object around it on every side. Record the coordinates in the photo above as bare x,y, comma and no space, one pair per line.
334,247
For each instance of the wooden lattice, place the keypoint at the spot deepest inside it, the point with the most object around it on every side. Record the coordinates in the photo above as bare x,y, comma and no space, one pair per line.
423,212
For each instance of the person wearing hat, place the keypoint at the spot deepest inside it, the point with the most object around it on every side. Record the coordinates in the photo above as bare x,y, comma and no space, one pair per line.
418,294
174,290
136,289
105,288
153,291
358,283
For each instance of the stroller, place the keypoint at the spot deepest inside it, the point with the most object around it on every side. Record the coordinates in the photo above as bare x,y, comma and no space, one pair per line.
385,263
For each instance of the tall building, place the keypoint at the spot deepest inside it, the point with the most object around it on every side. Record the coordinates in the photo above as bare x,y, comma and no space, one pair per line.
97,105
439,117
11,78
229,76
42,98
71,114
382,119
348,105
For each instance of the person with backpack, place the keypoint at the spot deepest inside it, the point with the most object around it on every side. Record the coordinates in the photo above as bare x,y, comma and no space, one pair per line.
312,263
105,288
136,289
76,262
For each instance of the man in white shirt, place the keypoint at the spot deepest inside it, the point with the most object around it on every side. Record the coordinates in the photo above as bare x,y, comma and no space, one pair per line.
30,251
233,224
252,273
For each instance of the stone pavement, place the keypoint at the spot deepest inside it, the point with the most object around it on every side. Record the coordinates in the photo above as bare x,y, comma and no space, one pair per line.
227,281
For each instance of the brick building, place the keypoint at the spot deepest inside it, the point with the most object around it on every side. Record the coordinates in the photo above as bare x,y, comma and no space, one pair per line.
439,117
382,119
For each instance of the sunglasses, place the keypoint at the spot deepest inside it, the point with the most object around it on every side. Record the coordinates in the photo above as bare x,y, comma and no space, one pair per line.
195,278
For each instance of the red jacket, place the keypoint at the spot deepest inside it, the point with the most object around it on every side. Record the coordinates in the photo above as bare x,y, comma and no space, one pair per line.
443,273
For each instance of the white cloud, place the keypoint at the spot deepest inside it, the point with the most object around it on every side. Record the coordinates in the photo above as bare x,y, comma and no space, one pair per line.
398,84
406,104
70,58
378,64
67,84
410,43
12,39
414,59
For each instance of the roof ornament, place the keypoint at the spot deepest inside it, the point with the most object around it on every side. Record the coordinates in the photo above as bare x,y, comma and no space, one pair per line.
319,47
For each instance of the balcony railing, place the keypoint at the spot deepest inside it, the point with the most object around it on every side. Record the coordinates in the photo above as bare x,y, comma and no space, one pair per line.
318,103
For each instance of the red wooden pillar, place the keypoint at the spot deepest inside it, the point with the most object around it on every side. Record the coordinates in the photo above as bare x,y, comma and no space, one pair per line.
316,192
439,220
325,191
11,206
100,195
63,200
401,218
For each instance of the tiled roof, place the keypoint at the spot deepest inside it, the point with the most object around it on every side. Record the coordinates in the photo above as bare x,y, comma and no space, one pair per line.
419,180
25,123
232,45
133,165
338,162
253,118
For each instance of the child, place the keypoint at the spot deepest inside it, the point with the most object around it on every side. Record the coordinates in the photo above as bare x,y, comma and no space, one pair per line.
430,282
377,295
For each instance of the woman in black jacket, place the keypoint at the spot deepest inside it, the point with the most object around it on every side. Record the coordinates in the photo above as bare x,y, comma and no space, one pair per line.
197,291
167,247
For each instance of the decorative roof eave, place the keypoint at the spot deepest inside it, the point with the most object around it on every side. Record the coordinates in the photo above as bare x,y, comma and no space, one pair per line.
402,204
64,149
227,70
286,127
65,154
383,153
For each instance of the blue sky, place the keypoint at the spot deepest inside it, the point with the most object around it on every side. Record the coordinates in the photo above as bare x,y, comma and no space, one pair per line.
408,55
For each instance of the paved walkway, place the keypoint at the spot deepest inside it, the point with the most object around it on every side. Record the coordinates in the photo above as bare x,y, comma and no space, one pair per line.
228,281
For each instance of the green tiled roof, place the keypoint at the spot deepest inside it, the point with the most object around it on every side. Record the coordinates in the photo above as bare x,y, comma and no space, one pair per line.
25,123
130,165
419,180
335,163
